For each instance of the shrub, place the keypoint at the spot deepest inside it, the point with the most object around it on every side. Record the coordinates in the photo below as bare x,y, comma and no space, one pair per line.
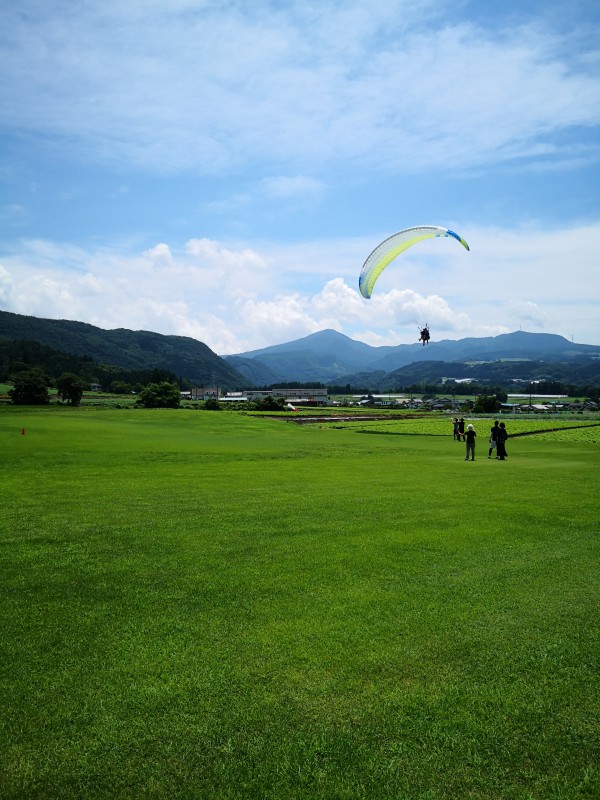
71,388
160,395
30,388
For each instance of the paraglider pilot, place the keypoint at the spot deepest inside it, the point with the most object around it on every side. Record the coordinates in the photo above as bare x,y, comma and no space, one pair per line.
424,337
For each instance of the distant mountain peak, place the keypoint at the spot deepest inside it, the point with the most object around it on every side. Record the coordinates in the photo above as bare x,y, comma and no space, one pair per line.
329,356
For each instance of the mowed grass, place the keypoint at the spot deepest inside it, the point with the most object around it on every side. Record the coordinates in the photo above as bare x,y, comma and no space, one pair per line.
212,605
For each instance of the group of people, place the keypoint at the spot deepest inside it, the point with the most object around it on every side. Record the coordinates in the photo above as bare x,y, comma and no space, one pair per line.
497,439
459,428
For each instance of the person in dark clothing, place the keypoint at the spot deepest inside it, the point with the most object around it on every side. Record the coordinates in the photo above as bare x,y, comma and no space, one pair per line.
461,429
455,427
493,439
501,437
470,439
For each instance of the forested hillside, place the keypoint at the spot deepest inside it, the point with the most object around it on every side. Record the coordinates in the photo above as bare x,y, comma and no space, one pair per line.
120,348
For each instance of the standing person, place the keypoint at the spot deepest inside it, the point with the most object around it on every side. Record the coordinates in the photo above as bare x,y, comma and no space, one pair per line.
461,429
470,439
493,439
455,425
501,437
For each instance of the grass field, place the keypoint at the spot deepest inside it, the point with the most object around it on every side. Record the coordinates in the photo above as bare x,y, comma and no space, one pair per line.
214,605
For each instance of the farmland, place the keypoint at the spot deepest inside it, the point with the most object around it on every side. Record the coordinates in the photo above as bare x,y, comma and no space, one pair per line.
580,429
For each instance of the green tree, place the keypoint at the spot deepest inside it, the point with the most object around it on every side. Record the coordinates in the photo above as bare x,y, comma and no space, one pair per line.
71,388
485,404
120,387
269,403
18,366
30,388
499,393
160,395
212,404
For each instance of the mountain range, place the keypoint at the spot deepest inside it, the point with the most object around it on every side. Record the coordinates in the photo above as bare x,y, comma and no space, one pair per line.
332,358
326,357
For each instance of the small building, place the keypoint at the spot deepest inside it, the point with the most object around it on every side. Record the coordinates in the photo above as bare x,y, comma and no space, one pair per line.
257,394
233,397
203,393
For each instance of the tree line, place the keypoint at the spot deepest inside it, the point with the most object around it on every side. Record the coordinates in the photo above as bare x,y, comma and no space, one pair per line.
34,368
32,387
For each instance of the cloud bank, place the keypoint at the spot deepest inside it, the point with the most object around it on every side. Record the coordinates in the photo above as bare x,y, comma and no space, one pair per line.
239,298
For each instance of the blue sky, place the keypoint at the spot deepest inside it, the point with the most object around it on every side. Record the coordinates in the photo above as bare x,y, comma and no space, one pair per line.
221,169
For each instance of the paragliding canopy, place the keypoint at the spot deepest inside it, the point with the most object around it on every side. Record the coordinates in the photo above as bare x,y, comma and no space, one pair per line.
392,247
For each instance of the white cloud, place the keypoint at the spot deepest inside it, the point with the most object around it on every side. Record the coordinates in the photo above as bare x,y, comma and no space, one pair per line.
40,292
338,300
526,313
238,297
6,288
207,87
281,319
160,255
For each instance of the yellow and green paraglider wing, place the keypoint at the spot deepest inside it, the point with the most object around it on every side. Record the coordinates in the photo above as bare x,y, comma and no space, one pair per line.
387,251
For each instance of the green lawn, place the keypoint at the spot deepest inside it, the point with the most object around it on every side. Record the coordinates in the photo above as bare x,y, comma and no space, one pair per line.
214,605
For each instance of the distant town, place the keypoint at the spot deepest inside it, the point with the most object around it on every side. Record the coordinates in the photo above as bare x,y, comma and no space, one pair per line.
311,397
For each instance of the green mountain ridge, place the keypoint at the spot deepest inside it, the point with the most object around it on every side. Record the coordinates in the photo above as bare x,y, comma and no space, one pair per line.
326,357
132,350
